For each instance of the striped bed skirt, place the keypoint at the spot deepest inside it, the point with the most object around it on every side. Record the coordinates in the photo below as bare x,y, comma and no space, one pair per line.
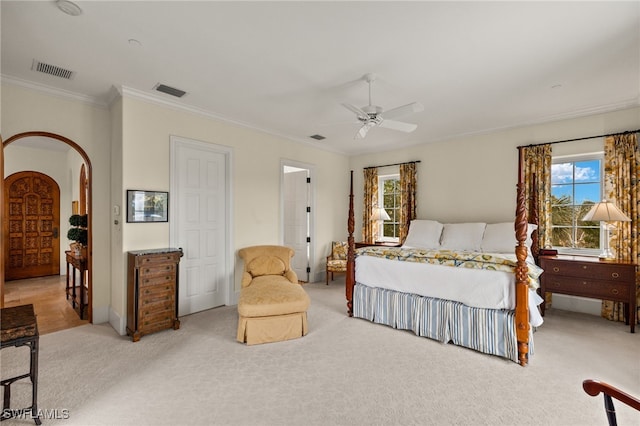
490,331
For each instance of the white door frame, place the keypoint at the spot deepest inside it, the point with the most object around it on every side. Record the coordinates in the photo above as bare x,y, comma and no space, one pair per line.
230,296
312,214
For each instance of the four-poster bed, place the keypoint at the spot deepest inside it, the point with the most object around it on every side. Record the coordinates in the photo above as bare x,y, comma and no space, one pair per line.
378,278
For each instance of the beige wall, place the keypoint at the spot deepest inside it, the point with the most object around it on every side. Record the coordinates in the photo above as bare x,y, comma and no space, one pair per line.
256,157
471,178
474,178
87,125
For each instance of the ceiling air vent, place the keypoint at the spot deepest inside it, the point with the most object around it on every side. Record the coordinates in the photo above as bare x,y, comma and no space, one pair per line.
317,137
51,70
169,90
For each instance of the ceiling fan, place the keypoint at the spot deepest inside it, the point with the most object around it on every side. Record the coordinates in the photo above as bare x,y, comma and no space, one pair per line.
372,115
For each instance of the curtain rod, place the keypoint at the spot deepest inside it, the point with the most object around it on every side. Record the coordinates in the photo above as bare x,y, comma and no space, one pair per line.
581,139
394,164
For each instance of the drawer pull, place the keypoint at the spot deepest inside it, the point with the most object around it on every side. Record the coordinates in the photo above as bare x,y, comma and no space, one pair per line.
584,266
556,269
614,291
615,275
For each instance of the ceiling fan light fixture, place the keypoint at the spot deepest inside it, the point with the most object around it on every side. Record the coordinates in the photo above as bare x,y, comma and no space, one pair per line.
374,115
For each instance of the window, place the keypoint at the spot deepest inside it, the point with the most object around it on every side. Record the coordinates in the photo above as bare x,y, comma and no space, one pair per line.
576,184
389,196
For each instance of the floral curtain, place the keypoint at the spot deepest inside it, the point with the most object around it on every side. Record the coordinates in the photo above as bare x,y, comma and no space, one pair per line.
407,198
622,187
537,168
370,202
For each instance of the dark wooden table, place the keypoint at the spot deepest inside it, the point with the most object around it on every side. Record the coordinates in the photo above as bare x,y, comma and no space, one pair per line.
19,328
592,278
76,292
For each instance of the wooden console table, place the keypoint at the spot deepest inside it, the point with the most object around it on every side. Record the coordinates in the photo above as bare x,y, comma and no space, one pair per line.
19,328
590,277
76,292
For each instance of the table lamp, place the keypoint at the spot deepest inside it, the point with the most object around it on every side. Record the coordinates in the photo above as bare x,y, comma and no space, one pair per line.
379,215
606,211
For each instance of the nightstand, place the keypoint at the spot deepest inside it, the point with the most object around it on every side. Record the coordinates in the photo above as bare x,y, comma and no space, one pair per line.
377,244
590,277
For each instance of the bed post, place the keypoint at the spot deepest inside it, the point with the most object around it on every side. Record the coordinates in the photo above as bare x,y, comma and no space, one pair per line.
533,218
351,256
522,282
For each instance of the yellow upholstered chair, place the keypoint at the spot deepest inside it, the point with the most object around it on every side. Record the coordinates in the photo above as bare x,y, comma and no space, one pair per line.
337,260
272,305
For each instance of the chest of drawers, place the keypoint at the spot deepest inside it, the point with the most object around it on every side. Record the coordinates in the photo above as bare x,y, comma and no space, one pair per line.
152,291
592,278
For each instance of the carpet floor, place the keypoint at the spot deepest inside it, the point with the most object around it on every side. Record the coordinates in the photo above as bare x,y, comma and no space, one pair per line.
346,371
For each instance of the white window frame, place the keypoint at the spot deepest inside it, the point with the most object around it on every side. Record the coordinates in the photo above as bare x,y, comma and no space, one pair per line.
381,179
573,159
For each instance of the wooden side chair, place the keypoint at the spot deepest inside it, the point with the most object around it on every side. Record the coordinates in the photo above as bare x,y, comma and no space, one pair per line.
337,260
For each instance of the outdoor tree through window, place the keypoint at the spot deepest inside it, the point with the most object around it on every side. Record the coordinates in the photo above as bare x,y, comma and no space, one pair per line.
575,187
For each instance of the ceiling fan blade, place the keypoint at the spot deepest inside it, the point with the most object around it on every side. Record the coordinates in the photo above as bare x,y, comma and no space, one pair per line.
403,110
362,132
357,111
398,125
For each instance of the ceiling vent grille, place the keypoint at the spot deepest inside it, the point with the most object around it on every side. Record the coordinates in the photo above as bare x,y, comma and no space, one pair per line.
52,70
169,90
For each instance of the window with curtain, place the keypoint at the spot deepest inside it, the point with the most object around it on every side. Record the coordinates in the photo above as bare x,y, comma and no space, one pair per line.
576,184
389,193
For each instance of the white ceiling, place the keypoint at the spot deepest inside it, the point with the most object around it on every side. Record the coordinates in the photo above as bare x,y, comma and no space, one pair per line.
286,67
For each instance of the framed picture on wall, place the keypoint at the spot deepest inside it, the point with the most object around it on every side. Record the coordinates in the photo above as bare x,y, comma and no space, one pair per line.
147,206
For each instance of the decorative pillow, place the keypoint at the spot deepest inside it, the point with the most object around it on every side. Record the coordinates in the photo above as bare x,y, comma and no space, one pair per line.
424,234
501,237
462,236
266,265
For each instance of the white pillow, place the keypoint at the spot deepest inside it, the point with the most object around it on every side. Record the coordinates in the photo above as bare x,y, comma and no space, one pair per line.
423,234
462,236
501,237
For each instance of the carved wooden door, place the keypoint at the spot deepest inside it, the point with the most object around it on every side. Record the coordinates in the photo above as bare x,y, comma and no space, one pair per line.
31,228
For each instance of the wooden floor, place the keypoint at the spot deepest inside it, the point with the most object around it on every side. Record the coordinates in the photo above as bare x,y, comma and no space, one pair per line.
47,294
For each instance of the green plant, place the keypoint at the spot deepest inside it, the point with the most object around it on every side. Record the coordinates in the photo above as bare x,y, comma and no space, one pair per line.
78,235
78,232
78,220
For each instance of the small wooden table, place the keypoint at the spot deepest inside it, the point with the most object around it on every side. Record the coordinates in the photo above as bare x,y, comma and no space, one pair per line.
76,263
19,328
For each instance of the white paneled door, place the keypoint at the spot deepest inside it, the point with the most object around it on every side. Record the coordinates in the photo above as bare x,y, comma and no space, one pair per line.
199,186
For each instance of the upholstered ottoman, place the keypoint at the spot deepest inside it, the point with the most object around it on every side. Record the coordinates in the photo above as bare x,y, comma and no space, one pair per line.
272,305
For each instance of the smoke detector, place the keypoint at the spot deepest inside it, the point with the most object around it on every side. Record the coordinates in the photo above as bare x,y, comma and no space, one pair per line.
69,7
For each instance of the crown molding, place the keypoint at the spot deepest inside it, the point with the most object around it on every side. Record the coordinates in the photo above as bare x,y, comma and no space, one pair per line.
169,103
61,93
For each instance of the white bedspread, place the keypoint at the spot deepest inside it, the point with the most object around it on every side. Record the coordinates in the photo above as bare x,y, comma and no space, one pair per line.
473,287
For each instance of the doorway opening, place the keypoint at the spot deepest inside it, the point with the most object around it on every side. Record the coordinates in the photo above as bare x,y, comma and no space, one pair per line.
297,216
41,140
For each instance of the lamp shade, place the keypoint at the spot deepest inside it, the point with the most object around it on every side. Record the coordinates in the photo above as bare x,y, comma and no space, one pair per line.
606,211
380,214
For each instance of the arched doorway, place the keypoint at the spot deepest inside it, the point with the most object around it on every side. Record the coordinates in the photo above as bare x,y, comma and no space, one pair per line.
88,193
